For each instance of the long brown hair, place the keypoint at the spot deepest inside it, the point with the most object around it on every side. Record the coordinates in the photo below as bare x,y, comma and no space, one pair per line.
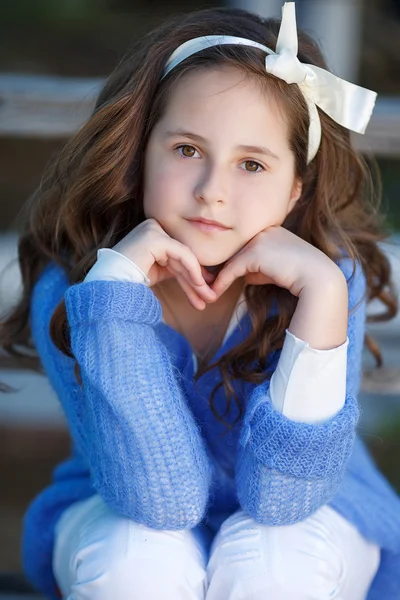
91,194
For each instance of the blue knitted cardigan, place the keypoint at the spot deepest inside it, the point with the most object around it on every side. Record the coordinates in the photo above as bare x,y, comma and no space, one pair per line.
144,437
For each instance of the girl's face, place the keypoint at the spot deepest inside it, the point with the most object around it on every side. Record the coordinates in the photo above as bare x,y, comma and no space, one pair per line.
220,152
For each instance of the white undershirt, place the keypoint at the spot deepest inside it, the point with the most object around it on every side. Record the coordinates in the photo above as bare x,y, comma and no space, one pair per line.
308,385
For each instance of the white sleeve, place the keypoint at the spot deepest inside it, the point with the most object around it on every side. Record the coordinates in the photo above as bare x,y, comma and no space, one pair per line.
309,385
115,266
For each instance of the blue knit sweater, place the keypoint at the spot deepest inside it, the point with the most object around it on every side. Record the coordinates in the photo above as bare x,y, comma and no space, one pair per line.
145,439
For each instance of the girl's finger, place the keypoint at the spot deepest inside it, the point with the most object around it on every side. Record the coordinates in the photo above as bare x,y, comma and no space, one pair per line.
203,290
231,271
194,299
191,270
182,253
208,276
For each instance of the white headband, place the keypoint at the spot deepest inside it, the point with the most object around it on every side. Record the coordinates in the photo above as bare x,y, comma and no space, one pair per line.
346,103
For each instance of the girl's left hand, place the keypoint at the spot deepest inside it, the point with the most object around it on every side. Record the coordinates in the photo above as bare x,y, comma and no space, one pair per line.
277,256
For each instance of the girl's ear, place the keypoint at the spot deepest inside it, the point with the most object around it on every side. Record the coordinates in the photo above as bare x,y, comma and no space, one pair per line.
296,193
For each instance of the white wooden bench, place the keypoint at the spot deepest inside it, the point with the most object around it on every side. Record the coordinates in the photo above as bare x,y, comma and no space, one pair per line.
48,106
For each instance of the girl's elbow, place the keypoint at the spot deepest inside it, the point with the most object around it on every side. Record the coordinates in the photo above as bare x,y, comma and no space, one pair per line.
285,504
187,512
157,512
170,517
274,515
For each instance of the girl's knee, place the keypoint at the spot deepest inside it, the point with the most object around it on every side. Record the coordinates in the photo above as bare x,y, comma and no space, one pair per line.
308,560
157,574
110,556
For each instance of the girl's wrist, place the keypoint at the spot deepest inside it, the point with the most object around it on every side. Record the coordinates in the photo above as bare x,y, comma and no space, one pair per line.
142,262
321,315
317,282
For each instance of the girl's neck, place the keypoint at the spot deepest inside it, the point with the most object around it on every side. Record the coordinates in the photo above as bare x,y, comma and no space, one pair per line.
205,329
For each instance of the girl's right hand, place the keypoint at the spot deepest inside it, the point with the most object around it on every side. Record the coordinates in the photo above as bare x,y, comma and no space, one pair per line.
161,257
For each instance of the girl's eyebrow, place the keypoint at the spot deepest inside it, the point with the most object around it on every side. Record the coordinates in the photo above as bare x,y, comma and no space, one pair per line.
199,138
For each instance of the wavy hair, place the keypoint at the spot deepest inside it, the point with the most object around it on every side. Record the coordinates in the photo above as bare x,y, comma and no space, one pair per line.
91,194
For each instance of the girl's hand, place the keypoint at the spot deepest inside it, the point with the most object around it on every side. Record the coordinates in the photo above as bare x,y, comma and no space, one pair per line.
161,257
277,256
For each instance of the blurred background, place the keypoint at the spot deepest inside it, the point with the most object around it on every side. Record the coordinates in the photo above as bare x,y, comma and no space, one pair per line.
53,59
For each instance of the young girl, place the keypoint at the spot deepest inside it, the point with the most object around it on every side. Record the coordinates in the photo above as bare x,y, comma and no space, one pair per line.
196,268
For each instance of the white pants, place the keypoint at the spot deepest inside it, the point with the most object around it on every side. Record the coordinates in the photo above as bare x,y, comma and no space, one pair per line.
100,555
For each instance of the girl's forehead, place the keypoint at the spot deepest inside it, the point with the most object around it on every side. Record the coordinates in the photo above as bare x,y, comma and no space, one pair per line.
223,100
212,82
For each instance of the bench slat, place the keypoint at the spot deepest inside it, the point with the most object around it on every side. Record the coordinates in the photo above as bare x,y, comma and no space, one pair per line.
48,107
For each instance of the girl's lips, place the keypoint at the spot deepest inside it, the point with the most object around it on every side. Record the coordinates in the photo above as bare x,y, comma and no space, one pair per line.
207,227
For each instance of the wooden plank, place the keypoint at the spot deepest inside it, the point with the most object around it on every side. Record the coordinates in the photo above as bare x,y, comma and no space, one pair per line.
382,137
47,106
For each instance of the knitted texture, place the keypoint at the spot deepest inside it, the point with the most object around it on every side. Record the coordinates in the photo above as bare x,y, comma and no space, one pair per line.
145,439
312,451
145,454
286,472
273,498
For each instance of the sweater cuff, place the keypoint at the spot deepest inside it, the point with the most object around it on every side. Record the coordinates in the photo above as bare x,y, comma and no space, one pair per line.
108,300
303,450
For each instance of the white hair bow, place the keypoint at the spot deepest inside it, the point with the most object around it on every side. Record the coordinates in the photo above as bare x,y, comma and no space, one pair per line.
346,103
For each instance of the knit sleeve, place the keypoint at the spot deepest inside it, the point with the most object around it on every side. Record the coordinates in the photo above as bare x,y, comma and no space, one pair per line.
287,469
130,418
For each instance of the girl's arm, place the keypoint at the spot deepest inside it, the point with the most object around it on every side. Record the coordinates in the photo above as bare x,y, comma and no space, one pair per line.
130,418
286,469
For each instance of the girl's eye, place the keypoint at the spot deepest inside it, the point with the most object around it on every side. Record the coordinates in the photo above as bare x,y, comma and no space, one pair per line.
253,166
186,150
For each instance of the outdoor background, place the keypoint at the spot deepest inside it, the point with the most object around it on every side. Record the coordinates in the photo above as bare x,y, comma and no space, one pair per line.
86,39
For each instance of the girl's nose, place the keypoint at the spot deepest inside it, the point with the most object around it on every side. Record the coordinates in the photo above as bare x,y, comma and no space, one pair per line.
212,188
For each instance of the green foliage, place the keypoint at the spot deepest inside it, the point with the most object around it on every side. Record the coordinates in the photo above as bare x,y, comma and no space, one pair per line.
385,449
390,171
45,11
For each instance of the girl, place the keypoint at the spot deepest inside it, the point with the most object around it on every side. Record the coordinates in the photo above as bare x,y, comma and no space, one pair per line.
209,361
